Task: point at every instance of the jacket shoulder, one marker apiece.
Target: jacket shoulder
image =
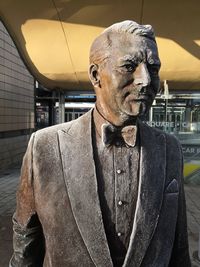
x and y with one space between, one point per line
48 136
172 141
52 130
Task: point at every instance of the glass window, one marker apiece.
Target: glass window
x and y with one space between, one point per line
180 115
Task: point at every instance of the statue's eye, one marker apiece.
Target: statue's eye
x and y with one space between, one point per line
130 67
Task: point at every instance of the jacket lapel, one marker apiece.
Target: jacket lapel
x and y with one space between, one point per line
150 193
80 178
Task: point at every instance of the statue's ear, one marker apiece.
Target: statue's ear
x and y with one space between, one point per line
94 75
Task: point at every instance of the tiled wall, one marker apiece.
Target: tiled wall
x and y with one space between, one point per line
12 151
16 102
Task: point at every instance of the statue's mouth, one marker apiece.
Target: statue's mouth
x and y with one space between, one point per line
137 98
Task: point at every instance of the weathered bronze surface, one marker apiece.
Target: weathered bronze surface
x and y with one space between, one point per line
58 221
124 71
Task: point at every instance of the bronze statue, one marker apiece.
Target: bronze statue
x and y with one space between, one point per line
106 189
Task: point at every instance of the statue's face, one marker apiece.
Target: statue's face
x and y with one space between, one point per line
129 78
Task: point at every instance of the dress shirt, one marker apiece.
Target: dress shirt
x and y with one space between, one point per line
117 178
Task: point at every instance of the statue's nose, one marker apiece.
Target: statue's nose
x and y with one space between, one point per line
141 75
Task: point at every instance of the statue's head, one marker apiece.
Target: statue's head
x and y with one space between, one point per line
124 66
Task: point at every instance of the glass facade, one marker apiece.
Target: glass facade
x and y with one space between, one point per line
180 115
42 115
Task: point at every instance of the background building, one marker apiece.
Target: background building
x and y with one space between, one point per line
16 102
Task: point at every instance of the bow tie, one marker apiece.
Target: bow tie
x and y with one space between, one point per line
113 135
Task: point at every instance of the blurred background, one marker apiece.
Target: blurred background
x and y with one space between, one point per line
44 48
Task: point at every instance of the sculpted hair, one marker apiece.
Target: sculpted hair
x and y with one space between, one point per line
99 50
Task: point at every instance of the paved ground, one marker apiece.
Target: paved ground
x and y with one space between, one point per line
8 185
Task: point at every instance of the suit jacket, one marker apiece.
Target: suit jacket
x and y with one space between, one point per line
58 220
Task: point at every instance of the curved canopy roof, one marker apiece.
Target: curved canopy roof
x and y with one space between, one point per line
54 36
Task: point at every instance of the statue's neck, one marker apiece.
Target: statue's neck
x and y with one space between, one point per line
116 119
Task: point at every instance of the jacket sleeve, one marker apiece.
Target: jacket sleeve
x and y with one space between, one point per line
180 253
28 240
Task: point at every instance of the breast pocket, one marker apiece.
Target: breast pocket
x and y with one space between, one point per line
172 187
